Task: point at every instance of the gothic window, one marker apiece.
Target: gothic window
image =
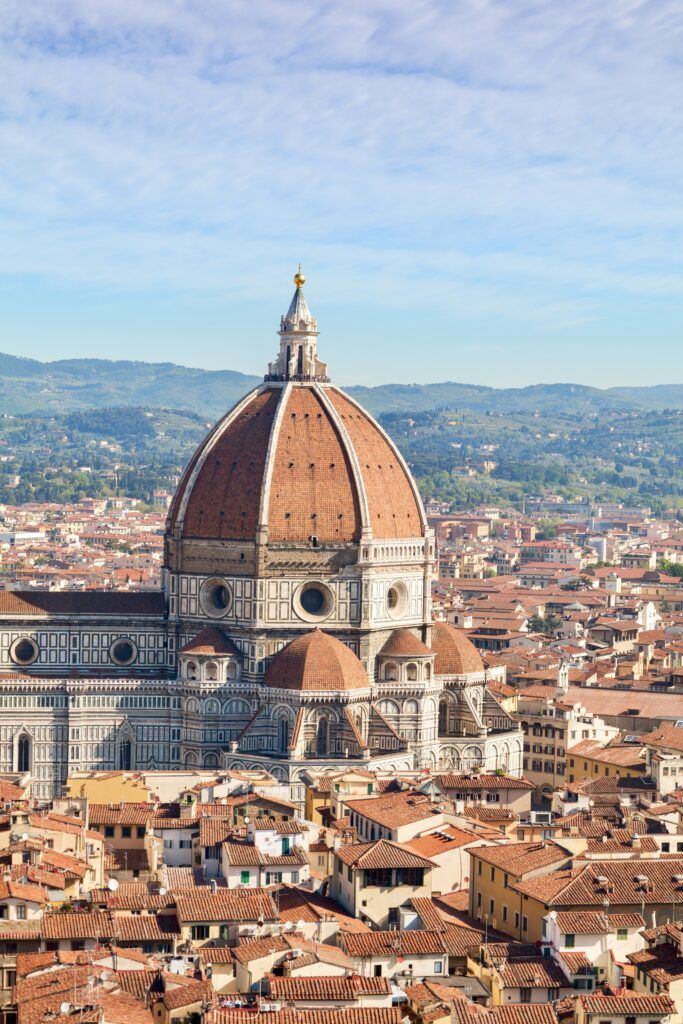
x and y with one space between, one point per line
125 756
283 734
322 738
24 753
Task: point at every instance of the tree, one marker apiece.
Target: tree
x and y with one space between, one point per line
548 624
546 529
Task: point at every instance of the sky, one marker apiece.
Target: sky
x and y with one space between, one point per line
487 191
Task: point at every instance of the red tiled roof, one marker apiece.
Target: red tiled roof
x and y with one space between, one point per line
630 1003
316 661
20 891
520 858
392 810
146 927
93 925
294 1015
413 942
327 988
310 483
231 905
210 640
455 654
381 854
404 644
467 783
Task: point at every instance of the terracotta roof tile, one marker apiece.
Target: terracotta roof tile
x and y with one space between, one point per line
146 927
413 942
294 1015
404 644
231 905
455 654
381 854
211 640
631 1003
316 661
327 988
392 810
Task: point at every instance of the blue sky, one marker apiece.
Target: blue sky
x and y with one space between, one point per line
478 190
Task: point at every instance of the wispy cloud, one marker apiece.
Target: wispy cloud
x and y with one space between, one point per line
453 162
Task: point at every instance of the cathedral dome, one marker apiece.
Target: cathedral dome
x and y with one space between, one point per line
296 462
291 463
455 654
404 644
316 661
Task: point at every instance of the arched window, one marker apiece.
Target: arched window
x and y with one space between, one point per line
192 670
24 753
283 734
125 756
443 718
391 671
232 670
211 671
411 672
322 739
300 360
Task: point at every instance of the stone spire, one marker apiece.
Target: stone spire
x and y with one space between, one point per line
298 358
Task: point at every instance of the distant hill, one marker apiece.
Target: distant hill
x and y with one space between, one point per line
27 385
69 385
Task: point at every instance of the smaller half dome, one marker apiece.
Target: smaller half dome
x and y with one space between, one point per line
404 644
210 641
455 654
316 661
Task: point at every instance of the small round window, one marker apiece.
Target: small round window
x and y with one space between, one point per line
123 651
24 651
313 601
216 598
397 599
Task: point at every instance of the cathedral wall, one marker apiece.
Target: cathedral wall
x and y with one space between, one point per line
39 645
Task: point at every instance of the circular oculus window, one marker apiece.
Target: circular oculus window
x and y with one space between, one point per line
313 601
216 598
397 599
24 651
123 651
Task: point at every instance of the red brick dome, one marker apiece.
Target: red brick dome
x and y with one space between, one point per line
316 661
404 644
455 654
294 461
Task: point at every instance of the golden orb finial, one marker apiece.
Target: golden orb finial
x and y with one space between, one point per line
299 278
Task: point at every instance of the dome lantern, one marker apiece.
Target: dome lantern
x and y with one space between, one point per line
298 357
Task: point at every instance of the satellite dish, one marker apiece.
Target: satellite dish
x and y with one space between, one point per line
112 884
301 925
290 926
162 892
104 976
64 1008
25 836
247 819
